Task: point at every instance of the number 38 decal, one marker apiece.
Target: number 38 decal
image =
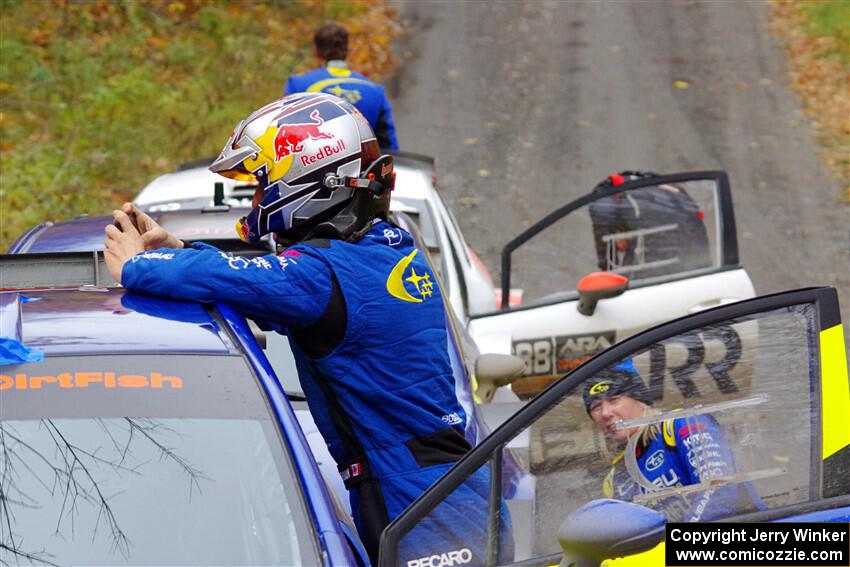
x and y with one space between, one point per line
717 349
559 355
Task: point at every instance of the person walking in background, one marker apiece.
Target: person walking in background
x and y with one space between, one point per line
334 77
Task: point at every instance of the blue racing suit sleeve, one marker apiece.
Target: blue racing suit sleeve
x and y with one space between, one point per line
385 127
705 455
291 289
291 86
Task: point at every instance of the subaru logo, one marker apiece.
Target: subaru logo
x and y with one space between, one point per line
655 460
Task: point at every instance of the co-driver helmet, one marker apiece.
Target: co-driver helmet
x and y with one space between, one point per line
318 168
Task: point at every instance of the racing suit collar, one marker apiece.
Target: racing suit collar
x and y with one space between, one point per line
385 233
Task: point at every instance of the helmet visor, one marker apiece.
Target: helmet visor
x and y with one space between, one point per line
238 173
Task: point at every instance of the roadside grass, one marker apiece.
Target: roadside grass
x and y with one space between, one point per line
816 35
830 19
99 97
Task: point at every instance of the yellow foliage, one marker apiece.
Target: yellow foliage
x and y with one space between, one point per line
100 96
821 79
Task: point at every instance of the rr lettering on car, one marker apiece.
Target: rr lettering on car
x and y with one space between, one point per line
682 374
695 345
557 447
720 370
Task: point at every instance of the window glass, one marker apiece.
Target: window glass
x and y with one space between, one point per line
145 460
648 233
423 218
446 212
707 424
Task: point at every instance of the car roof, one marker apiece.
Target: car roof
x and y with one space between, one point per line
84 233
413 174
196 182
90 320
194 220
216 226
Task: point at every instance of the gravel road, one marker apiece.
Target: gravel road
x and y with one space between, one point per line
527 105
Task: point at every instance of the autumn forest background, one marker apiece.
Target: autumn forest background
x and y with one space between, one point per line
99 97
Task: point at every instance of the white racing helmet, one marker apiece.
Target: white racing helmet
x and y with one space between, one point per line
317 164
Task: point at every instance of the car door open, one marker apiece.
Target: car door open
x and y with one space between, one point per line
672 237
744 417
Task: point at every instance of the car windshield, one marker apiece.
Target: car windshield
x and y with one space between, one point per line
145 460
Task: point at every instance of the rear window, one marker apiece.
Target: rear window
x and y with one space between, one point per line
145 460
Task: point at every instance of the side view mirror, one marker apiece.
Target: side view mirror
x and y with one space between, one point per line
599 285
605 529
495 370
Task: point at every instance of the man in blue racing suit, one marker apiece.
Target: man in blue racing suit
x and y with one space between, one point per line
359 303
668 454
334 77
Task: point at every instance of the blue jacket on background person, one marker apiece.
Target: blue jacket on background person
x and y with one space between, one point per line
686 451
668 454
367 96
334 77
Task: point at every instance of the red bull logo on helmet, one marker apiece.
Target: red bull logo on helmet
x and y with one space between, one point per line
289 137
323 152
245 234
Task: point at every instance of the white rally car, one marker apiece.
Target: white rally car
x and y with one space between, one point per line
614 262
466 281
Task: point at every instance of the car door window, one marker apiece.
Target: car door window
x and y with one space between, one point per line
650 230
722 414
